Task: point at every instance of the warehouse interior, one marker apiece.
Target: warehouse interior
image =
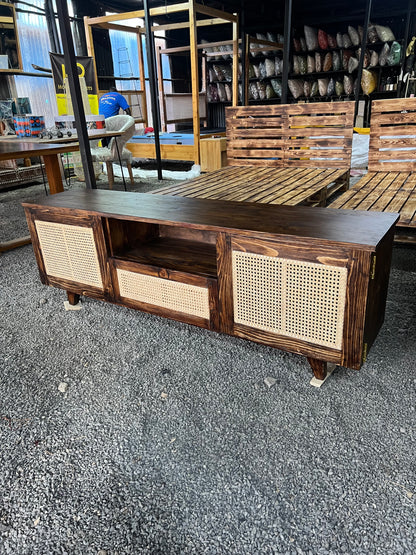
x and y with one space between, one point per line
208 300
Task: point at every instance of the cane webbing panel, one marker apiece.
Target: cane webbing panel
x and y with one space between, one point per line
173 295
69 252
302 300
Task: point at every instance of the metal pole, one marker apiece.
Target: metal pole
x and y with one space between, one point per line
286 49
405 43
243 55
151 59
361 62
75 89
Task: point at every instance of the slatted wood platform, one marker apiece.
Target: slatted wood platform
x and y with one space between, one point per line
284 154
390 184
291 186
316 135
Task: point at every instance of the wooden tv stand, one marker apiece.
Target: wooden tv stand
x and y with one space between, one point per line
311 281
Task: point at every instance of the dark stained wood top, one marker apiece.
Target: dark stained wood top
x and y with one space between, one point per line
12 149
365 229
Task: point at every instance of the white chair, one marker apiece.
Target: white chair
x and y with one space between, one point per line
115 151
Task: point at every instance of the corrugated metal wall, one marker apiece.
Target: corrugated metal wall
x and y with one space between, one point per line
35 46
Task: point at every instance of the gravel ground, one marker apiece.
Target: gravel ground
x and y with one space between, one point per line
124 433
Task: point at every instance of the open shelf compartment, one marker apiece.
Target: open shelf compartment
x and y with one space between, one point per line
164 246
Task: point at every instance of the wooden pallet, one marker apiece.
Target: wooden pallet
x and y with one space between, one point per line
385 192
291 135
390 184
290 186
283 154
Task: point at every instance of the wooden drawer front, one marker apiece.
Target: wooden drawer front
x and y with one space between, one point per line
297 299
165 293
69 252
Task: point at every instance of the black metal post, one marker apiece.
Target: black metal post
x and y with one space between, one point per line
52 29
286 49
75 89
361 62
243 55
151 64
405 43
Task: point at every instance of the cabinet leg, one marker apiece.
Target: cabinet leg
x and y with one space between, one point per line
73 298
73 302
321 370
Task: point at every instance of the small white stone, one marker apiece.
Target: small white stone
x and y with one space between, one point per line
269 381
62 387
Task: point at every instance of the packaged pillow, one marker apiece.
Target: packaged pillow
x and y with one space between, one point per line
262 70
270 92
346 55
385 34
261 87
296 87
295 67
323 86
373 58
221 92
372 36
331 87
314 88
346 41
327 65
393 58
384 54
307 89
219 72
253 91
277 86
311 37
336 60
322 40
227 72
228 92
303 46
251 72
340 42
352 64
348 84
213 93
339 88
256 68
318 62
278 66
332 41
270 67
354 36
302 65
311 64
368 81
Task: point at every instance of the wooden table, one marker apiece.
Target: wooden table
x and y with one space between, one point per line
50 150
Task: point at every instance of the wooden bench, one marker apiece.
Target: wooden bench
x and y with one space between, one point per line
284 154
390 184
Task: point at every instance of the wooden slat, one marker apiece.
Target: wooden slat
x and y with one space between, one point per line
384 192
291 186
392 155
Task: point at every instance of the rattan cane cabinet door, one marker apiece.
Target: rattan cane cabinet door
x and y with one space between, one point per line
69 252
284 294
